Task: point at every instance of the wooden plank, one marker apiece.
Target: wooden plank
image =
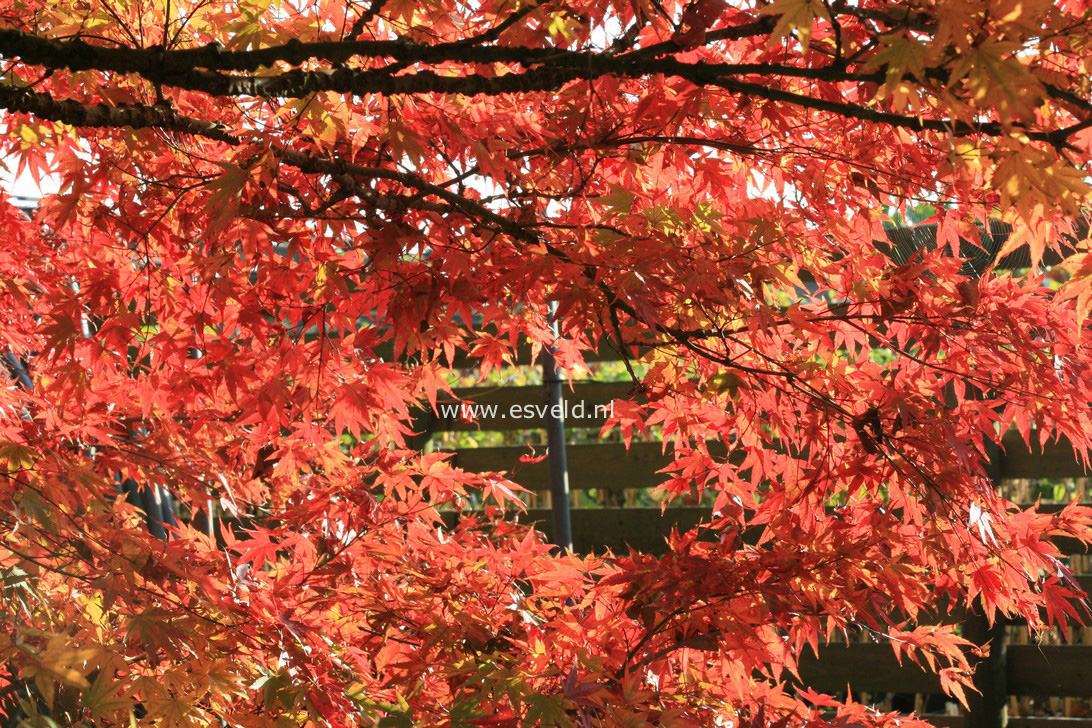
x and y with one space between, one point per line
871 667
1060 671
1068 546
617 529
1085 583
1033 721
1041 671
609 465
903 243
518 408
1042 721
1055 460
986 704
646 529
959 612
606 466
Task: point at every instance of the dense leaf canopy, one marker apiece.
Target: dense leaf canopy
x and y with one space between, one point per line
278 224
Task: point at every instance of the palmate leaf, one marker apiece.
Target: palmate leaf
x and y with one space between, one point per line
172 711
155 633
227 189
794 16
106 698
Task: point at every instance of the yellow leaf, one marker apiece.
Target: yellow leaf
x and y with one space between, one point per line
104 697
726 381
796 16
18 457
994 74
227 189
901 55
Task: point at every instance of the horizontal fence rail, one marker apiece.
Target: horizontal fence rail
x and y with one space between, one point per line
647 529
1033 670
612 466
1033 721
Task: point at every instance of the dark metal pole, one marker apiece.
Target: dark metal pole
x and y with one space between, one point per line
555 442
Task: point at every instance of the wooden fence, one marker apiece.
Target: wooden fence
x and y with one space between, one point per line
1014 673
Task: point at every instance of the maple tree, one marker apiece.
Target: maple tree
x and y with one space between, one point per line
260 201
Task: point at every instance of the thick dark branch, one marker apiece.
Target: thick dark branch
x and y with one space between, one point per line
297 84
550 75
163 65
78 55
853 111
163 117
550 70
160 65
348 175
102 116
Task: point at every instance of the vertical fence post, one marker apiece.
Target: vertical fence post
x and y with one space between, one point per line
989 707
555 442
